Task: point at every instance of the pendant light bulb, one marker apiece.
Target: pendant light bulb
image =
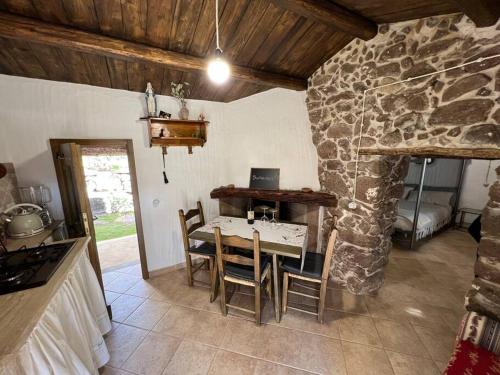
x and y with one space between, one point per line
218 69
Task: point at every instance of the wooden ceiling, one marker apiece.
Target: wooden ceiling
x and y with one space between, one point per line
269 42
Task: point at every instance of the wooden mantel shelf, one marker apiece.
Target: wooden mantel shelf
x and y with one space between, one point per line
293 196
446 152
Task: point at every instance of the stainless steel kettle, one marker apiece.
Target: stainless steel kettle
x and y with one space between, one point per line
23 220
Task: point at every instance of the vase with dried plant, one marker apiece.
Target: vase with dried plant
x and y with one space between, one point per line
181 91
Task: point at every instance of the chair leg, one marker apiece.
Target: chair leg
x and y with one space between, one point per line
257 303
223 297
189 269
322 297
285 292
213 279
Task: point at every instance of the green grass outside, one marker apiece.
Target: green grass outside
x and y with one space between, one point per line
112 225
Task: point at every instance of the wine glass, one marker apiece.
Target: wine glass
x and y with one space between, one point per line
264 217
273 211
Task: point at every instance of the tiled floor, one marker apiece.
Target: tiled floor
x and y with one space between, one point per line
164 327
118 252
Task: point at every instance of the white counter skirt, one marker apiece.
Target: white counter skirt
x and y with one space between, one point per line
68 339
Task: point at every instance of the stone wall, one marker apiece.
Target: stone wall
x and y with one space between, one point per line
459 108
484 297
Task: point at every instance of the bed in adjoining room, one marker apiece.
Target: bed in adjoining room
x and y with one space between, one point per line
432 192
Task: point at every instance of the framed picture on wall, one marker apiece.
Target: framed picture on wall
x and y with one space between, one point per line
265 178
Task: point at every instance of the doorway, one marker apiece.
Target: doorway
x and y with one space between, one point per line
101 174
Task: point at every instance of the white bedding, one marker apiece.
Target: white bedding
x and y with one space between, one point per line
431 218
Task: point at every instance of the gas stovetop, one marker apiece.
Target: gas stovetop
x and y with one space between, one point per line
29 268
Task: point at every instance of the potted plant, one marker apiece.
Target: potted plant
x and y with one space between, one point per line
180 91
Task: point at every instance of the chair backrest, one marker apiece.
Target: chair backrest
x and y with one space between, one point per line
223 242
184 218
329 250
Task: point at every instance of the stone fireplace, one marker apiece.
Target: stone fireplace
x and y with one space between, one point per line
454 114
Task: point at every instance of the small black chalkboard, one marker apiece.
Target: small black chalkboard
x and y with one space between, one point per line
265 178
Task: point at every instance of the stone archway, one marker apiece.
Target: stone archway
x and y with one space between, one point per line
457 112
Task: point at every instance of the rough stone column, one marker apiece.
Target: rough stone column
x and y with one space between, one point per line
484 296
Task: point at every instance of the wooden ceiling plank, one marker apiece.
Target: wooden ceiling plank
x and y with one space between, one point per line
97 69
109 15
82 14
332 15
134 14
50 60
202 41
117 70
159 22
483 12
287 22
75 66
26 60
169 76
184 24
247 27
23 7
51 11
263 28
21 28
229 21
7 59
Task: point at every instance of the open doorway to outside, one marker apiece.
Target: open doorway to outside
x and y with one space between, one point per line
109 190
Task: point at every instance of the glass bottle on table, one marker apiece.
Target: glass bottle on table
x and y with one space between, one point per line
250 213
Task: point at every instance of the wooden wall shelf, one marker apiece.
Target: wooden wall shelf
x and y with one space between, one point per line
292 196
187 133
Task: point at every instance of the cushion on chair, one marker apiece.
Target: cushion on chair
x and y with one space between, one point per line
204 249
313 265
244 272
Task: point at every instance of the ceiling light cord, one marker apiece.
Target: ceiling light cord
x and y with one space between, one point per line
217 26
353 204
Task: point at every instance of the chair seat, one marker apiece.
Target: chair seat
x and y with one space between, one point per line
313 265
244 272
204 249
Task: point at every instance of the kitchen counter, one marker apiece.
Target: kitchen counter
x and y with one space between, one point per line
13 244
21 311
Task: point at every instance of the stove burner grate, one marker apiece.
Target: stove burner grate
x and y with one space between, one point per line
11 277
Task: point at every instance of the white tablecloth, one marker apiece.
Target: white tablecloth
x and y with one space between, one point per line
280 233
68 339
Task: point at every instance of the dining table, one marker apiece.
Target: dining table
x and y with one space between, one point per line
276 239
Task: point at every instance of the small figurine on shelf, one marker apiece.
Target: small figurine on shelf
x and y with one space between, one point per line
201 117
180 91
150 100
166 115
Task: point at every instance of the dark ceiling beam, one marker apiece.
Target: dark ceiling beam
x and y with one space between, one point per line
30 30
482 12
332 15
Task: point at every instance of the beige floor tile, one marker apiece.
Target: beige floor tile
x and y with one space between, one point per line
122 342
117 252
439 343
191 358
134 270
111 296
357 328
122 283
294 348
237 364
148 314
365 360
152 355
309 323
342 300
197 325
143 288
125 305
400 338
441 366
404 364
108 277
106 370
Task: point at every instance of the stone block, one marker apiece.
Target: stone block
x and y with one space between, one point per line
462 112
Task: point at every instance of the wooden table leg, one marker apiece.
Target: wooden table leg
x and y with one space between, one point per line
276 284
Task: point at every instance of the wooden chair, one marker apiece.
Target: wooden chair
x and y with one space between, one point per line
316 270
205 251
242 270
